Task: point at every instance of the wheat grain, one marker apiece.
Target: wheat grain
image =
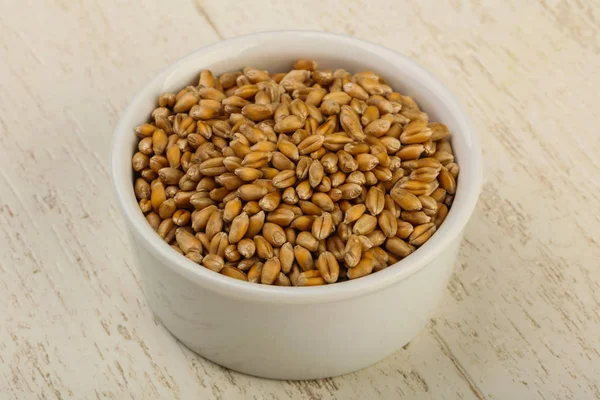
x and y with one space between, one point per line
300 178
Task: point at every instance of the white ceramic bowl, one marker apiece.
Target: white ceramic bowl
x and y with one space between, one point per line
298 333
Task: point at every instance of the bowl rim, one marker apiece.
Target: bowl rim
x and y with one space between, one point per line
452 227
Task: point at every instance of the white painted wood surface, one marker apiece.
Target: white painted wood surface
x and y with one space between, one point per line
521 317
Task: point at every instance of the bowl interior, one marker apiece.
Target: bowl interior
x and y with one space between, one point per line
276 52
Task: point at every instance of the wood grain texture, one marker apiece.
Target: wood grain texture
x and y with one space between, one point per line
521 317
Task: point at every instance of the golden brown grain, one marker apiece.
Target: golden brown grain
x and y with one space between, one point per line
218 244
187 241
375 200
301 178
233 272
264 249
281 216
214 224
213 262
421 234
328 267
352 251
388 223
405 199
398 247
246 247
364 225
415 217
239 227
304 258
286 257
255 272
308 241
363 267
270 271
274 234
323 226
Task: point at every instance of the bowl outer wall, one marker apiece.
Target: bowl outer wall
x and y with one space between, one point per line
298 333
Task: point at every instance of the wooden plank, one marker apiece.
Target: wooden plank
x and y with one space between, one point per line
521 316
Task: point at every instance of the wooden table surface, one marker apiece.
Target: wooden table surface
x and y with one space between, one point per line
520 319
